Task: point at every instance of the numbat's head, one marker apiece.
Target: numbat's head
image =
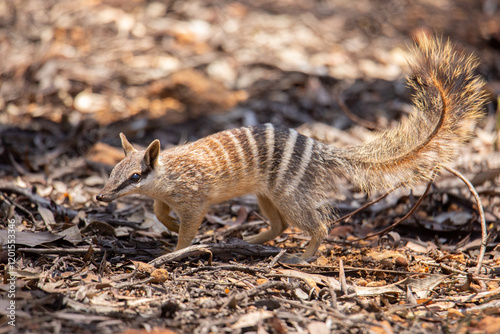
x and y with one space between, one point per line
133 174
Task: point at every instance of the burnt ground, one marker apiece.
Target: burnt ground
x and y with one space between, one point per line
76 73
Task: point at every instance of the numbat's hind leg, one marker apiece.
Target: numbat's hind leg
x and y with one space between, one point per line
278 224
313 246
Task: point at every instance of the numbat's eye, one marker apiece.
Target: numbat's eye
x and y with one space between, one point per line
135 177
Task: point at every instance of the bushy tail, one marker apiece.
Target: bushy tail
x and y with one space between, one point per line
448 102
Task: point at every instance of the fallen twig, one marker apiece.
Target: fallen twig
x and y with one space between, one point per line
235 246
405 216
59 250
482 220
342 280
277 258
361 208
355 118
242 268
38 200
274 285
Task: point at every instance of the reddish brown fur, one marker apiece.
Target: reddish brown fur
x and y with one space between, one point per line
292 175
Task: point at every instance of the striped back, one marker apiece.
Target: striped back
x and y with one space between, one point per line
278 163
279 159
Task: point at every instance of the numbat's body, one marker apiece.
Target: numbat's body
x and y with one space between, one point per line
293 175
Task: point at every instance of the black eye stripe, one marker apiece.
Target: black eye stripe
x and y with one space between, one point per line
123 185
128 182
144 173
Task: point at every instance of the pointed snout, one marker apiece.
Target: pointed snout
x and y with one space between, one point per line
105 198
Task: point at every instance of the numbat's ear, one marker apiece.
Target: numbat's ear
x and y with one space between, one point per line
151 154
127 147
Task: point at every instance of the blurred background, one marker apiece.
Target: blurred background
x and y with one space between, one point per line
75 73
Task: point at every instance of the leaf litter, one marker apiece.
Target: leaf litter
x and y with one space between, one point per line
76 73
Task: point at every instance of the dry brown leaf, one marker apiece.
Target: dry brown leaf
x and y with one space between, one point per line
261 281
485 175
383 328
318 327
454 313
27 273
252 319
72 235
160 275
416 247
47 216
384 254
489 324
312 279
143 267
30 239
100 227
323 261
422 287
376 284
54 287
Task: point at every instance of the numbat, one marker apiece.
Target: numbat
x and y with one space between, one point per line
293 175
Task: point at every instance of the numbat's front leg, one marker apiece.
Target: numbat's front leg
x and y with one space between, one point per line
190 223
162 212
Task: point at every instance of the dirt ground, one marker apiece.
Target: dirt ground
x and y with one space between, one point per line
76 73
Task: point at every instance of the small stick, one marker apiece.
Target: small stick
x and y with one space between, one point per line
236 246
342 280
20 207
242 268
276 259
59 250
484 232
9 187
405 216
234 299
355 118
378 199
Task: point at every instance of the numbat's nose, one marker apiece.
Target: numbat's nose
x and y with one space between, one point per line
103 198
106 197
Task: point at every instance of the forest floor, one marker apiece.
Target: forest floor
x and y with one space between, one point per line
76 73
